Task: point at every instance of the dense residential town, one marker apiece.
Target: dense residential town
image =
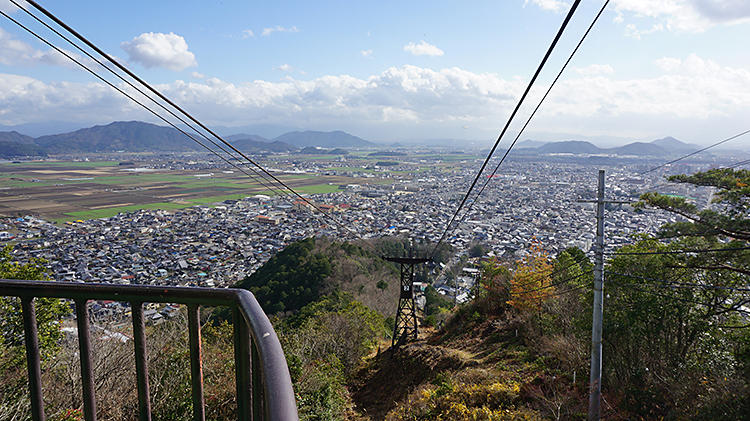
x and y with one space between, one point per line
221 243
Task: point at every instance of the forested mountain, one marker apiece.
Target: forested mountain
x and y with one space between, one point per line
137 136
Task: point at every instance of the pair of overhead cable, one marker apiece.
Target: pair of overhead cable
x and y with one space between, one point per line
531 116
671 284
449 226
640 253
550 285
129 83
697 152
264 177
737 308
554 272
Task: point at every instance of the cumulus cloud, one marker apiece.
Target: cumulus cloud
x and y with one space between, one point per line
154 49
248 33
284 68
423 49
682 15
666 15
8 7
268 31
553 5
366 53
595 69
14 52
687 95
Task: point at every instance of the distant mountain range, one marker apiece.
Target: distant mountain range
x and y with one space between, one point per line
136 136
657 148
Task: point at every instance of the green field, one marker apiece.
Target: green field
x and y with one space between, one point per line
209 200
82 164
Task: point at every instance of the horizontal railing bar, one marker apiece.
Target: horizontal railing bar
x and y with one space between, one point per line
95 291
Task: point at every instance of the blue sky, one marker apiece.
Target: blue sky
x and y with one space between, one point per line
400 70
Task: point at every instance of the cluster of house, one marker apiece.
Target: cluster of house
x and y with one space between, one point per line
221 244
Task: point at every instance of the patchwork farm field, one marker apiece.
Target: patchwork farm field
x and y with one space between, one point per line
65 191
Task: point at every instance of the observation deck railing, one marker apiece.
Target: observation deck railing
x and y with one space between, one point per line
264 388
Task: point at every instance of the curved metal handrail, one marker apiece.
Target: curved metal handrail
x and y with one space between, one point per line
279 402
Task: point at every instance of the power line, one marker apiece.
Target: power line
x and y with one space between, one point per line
670 297
554 284
697 152
672 284
738 164
259 176
640 253
165 120
552 85
510 119
129 83
556 271
177 107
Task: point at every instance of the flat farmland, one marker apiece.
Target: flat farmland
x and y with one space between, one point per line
64 191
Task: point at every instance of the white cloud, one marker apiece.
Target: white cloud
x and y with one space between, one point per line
198 75
595 70
423 49
553 5
689 94
8 7
268 31
366 53
248 33
14 52
284 68
681 15
154 49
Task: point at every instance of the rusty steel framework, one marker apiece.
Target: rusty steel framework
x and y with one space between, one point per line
406 324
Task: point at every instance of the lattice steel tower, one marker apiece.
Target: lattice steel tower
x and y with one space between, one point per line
406 314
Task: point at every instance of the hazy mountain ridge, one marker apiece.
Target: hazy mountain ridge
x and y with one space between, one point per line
657 148
137 136
335 139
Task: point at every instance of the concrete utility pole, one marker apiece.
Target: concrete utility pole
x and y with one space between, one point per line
595 382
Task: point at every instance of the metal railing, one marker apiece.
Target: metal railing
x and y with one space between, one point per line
264 388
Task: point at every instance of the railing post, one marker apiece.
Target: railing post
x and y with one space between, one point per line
196 364
242 367
141 362
87 374
257 379
31 339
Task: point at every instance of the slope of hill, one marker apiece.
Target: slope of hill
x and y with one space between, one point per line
13 144
658 148
336 139
242 136
307 270
671 144
16 149
570 146
131 136
15 137
250 144
639 149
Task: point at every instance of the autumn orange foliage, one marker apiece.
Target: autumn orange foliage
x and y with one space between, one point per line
530 283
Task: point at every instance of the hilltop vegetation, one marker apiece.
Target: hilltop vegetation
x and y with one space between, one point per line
676 338
310 269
